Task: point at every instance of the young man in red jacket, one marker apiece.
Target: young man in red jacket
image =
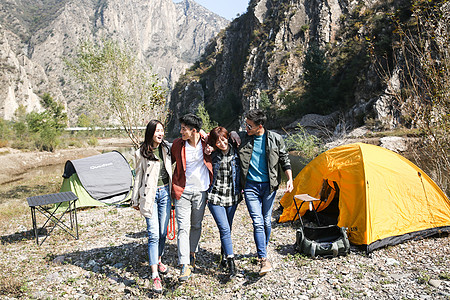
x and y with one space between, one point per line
191 179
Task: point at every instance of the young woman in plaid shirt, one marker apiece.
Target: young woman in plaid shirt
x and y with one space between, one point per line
224 194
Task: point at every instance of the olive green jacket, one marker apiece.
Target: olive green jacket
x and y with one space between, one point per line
276 155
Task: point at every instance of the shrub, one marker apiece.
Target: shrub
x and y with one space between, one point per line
93 141
308 145
5 129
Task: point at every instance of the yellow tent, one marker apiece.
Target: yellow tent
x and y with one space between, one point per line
384 199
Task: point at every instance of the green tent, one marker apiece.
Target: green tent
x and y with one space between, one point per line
99 180
73 184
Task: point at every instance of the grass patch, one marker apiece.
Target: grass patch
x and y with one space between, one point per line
423 278
11 285
13 196
444 276
4 152
11 210
299 259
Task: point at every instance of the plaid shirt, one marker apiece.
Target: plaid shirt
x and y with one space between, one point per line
221 193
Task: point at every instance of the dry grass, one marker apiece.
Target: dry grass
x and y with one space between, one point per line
3 143
11 284
13 196
12 209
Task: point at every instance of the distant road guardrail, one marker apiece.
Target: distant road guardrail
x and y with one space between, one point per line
100 128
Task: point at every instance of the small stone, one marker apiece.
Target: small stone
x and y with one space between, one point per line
391 262
129 282
54 278
398 277
59 260
146 283
435 283
118 265
121 287
82 296
333 281
113 279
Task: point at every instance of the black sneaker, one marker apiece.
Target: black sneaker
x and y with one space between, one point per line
231 267
223 259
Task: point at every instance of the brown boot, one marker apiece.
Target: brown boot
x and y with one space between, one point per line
265 266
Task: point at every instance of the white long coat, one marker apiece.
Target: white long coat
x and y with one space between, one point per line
146 181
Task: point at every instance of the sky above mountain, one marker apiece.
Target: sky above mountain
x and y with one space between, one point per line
227 9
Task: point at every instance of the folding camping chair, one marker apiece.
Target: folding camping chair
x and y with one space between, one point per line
41 204
329 240
306 198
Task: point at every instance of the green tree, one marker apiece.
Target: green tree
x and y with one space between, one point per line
208 124
317 97
118 85
20 123
48 125
5 129
83 121
265 102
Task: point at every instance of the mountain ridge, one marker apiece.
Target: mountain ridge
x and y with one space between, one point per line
170 36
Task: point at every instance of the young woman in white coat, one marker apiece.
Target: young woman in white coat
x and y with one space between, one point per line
151 194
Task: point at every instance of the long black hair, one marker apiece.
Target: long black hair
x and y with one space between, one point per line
146 146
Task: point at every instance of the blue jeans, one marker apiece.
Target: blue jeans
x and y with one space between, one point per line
157 224
223 215
259 202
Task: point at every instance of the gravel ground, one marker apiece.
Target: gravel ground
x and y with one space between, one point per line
109 261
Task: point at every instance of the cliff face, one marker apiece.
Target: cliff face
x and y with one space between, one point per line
20 78
262 54
169 36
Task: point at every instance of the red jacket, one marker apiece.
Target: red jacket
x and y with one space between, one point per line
179 174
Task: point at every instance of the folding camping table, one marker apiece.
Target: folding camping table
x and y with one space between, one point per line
48 206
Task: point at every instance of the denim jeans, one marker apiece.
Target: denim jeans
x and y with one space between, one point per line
157 224
223 215
190 209
259 202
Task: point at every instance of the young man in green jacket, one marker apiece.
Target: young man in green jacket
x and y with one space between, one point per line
262 154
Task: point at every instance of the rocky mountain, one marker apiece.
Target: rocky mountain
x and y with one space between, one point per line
294 58
36 36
